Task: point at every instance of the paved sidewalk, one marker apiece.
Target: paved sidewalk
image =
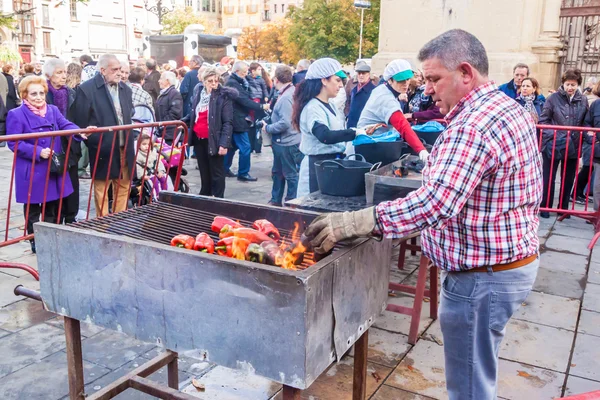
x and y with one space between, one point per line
552 345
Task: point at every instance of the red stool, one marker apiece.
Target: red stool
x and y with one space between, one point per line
419 291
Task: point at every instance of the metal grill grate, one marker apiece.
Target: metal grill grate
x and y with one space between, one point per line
159 222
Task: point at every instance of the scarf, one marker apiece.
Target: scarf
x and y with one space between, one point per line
203 102
61 98
529 106
40 112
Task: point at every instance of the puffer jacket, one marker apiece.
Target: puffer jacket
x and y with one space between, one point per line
559 110
592 120
258 87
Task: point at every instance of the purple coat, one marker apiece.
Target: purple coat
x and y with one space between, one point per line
22 120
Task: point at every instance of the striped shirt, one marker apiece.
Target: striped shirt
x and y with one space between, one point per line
482 187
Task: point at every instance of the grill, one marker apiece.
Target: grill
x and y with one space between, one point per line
159 222
120 273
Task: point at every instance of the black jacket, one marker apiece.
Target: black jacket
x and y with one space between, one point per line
151 85
75 150
559 110
12 99
220 117
93 106
169 107
592 119
242 104
299 77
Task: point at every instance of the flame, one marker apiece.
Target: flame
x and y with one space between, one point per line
289 257
238 249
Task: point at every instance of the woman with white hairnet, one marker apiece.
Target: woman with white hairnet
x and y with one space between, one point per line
322 129
383 107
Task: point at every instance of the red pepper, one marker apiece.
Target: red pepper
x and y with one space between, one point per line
232 247
219 222
226 231
204 243
266 227
183 241
252 235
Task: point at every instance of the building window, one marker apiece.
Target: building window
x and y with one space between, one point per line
47 43
214 5
275 8
267 15
205 5
198 5
282 8
73 9
45 15
188 3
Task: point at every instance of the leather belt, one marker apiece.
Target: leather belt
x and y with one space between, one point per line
505 267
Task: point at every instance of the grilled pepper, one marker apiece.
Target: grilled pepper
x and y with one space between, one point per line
204 243
266 227
252 235
219 222
272 252
232 247
183 241
256 253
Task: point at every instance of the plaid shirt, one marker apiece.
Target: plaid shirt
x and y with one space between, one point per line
140 96
482 187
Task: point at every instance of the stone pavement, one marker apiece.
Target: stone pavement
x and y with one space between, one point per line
551 349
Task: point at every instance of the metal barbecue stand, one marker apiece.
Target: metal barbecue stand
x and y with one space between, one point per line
119 272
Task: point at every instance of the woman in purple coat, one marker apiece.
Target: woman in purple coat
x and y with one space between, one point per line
36 116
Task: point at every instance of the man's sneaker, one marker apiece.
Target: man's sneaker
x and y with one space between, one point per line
247 178
580 200
272 203
545 214
230 174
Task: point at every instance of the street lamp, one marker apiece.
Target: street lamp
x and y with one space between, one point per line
362 4
159 9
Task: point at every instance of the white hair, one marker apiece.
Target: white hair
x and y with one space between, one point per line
303 65
105 59
125 64
170 77
51 65
239 65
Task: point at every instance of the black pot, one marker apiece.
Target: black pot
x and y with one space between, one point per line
428 137
343 177
385 152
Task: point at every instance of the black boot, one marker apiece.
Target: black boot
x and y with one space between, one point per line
32 242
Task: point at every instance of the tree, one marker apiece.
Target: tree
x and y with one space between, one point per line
251 44
175 22
331 28
277 45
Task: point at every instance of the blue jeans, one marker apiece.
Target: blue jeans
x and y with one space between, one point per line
285 169
239 141
474 310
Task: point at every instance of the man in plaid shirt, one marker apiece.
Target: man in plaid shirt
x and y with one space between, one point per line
477 211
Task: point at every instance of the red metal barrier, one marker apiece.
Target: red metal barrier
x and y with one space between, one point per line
562 148
172 157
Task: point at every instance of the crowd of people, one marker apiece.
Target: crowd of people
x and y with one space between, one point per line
305 115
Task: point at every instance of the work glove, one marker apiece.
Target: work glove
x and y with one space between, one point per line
423 155
328 229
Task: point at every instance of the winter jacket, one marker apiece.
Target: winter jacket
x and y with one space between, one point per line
22 120
220 117
592 120
12 98
242 104
169 107
151 84
148 163
281 128
509 89
190 80
258 87
75 150
559 110
299 77
358 99
93 106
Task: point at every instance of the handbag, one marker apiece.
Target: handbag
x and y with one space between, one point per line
57 163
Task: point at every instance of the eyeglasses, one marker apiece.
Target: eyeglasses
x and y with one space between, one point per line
211 81
36 94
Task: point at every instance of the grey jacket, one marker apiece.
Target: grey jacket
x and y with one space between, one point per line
281 127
